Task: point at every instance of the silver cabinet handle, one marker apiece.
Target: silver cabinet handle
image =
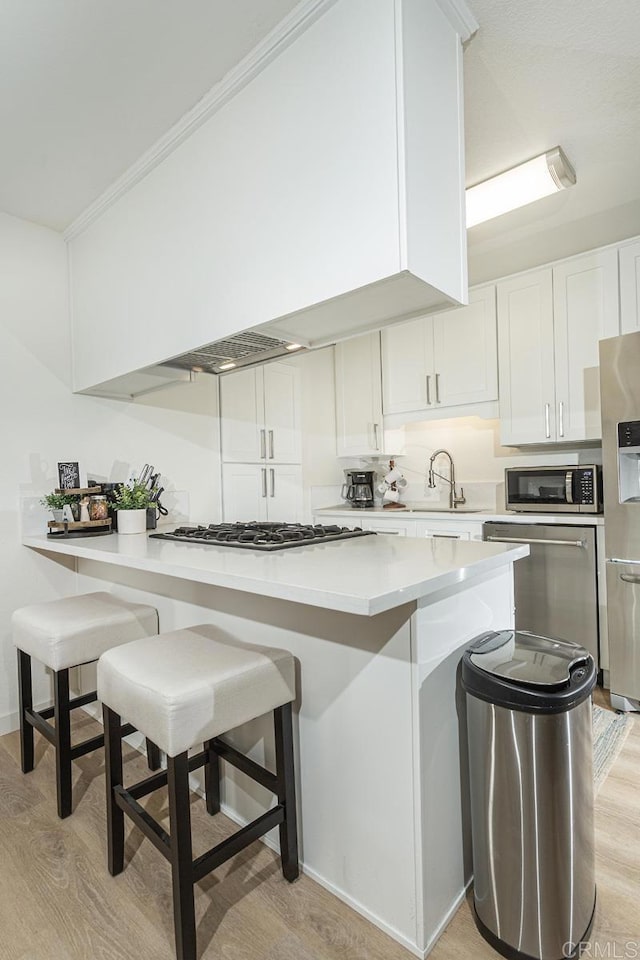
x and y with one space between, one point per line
437 388
428 390
445 536
561 418
264 481
273 482
546 543
376 442
271 453
630 578
263 444
547 422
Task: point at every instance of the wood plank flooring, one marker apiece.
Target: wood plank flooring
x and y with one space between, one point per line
57 901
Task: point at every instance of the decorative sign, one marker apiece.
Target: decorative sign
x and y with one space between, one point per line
68 476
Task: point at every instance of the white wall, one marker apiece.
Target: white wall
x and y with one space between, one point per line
42 422
479 458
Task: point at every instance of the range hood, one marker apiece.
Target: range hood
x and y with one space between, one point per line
240 350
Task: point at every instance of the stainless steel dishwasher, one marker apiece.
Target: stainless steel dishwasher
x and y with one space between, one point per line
556 590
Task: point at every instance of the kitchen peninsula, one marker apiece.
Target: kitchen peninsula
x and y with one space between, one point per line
377 625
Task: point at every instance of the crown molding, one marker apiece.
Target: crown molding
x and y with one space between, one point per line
461 17
294 24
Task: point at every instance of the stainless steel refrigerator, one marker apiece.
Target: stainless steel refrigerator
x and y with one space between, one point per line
620 401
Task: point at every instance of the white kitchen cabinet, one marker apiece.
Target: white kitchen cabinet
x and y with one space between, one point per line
359 397
629 259
443 361
260 414
442 530
253 491
392 528
550 322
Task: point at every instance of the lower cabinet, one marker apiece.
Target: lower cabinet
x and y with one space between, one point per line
433 530
251 491
408 526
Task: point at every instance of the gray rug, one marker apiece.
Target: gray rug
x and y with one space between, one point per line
610 730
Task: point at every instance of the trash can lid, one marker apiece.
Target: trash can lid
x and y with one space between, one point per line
524 671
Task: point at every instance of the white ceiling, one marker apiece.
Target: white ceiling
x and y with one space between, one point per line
545 72
87 86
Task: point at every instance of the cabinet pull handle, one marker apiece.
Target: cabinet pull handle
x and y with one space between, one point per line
273 482
437 388
376 442
263 444
629 578
445 536
428 390
547 421
561 418
264 481
271 453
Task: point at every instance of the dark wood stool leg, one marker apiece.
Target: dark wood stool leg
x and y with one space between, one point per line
212 779
62 716
282 717
26 703
153 755
113 779
184 918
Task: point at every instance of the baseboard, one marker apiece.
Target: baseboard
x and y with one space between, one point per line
10 722
446 920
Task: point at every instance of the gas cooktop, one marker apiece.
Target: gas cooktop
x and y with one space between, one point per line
262 536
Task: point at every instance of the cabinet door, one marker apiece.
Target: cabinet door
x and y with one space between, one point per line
359 396
466 351
630 287
407 366
585 310
282 412
244 492
242 427
525 351
284 493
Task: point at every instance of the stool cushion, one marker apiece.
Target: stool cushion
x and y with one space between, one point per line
185 687
64 633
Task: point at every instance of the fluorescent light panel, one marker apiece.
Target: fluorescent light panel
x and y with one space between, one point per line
529 181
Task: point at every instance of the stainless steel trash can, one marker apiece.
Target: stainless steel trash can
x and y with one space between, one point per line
531 780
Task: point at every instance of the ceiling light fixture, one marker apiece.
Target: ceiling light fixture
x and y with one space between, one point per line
529 181
226 366
294 346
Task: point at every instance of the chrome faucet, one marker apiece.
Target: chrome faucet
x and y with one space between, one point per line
454 499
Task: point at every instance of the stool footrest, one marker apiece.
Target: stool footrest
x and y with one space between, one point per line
47 713
238 841
144 787
37 720
243 763
143 820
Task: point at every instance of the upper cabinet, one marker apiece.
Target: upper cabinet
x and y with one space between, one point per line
629 255
549 324
289 169
444 361
260 414
359 425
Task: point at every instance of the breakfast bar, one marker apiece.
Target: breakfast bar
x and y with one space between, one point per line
377 626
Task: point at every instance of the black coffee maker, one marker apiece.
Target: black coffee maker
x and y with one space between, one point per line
358 490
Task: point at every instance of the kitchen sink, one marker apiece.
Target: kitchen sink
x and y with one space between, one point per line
428 509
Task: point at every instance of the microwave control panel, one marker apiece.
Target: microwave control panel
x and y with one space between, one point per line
585 486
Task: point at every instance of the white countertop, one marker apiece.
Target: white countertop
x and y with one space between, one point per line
469 516
365 576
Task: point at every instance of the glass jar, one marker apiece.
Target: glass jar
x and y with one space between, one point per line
98 508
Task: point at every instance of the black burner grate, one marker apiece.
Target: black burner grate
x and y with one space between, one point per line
262 536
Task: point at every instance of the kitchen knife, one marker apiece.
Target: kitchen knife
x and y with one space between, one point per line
144 473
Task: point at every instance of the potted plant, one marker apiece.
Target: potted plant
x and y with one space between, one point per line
131 502
57 501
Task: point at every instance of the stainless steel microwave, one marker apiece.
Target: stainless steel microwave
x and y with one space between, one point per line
571 489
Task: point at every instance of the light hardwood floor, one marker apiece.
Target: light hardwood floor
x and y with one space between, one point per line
57 901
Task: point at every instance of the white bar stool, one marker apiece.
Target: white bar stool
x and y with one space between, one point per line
182 689
62 634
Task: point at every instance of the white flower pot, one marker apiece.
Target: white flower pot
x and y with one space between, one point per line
57 515
132 521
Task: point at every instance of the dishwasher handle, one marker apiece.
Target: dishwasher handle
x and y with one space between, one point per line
528 540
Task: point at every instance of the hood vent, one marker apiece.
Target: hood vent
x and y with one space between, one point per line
240 350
